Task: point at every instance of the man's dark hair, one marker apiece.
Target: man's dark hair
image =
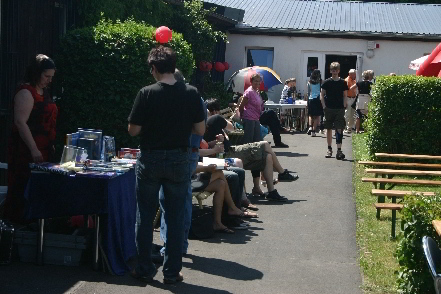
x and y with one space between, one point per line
36 67
212 104
163 58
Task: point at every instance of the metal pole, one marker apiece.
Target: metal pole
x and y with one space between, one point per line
96 245
40 241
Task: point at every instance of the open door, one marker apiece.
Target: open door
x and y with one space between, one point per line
311 61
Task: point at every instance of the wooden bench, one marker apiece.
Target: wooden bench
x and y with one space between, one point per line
401 164
407 172
201 196
389 172
398 193
408 156
226 113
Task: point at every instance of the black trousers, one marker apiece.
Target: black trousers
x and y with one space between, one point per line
269 118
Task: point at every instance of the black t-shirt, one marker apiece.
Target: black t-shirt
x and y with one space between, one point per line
166 114
215 126
334 92
364 87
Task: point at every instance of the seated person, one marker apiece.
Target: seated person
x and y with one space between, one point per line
256 156
213 180
235 174
268 118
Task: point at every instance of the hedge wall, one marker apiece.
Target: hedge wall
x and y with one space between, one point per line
417 214
101 69
405 115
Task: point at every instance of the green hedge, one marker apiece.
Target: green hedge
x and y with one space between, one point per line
101 69
417 214
405 115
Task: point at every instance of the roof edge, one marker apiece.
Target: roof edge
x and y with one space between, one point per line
333 34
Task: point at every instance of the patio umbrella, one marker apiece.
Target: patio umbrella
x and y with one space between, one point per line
431 67
240 80
415 64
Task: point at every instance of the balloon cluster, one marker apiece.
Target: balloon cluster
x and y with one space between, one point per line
163 35
218 66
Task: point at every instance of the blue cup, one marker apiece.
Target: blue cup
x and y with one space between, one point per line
289 100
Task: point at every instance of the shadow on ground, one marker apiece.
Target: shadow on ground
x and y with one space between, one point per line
290 154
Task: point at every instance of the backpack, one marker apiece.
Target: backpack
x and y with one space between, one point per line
201 224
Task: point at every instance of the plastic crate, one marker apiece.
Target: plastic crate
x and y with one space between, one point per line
58 249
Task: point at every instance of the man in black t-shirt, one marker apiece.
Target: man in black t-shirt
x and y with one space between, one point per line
164 115
334 101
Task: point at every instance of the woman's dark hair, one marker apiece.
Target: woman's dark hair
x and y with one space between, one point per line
36 67
213 104
315 77
163 58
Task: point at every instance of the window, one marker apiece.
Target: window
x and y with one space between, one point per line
312 64
260 57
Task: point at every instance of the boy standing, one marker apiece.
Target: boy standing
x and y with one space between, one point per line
334 105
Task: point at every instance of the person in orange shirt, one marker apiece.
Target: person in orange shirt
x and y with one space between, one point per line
349 113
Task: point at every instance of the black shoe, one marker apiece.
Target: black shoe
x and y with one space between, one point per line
309 131
178 278
340 155
145 279
287 177
281 145
274 195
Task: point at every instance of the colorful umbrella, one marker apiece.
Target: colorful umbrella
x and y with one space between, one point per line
415 64
431 67
240 80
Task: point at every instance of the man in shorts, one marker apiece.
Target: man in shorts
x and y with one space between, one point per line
334 101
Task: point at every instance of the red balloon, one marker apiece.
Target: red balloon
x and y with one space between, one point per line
219 66
205 66
226 65
163 34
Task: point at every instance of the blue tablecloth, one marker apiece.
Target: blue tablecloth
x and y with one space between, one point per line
51 195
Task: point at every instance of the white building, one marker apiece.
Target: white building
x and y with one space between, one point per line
294 37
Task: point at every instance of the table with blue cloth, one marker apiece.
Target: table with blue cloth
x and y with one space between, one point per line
51 195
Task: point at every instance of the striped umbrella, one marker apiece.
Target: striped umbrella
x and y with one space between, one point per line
240 80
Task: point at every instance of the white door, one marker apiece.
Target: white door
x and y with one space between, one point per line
311 61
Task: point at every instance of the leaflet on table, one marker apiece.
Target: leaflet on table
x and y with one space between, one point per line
219 162
50 168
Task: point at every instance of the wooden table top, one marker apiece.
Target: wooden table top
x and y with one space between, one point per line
437 225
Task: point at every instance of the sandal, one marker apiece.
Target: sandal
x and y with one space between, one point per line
257 193
250 206
224 231
248 214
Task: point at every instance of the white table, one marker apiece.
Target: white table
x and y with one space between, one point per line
302 115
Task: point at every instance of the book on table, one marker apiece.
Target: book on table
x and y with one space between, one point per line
219 162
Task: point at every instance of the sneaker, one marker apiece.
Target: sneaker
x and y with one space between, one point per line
329 153
313 134
274 196
309 131
339 155
322 131
347 131
287 177
280 145
178 278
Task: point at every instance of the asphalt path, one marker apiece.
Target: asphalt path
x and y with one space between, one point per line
306 245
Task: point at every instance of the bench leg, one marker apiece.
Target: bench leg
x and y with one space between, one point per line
381 199
394 219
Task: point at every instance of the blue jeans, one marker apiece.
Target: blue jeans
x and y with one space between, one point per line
169 169
194 158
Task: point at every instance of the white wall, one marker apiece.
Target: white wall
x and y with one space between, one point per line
392 56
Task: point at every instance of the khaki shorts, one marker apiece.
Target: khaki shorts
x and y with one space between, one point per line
253 155
334 118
